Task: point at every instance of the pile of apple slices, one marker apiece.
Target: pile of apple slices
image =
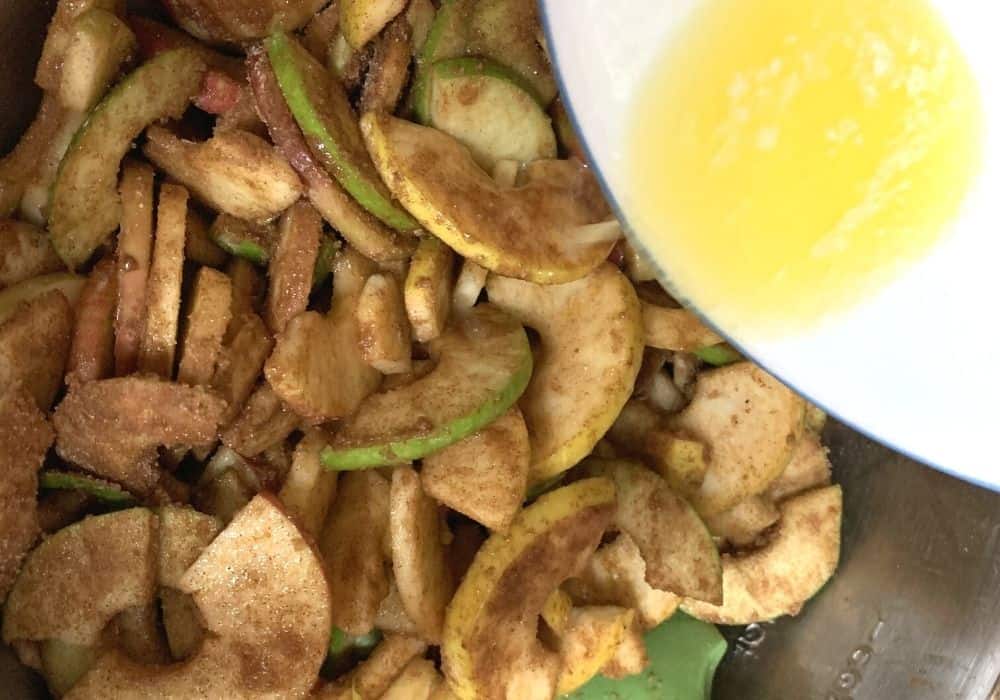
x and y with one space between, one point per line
324 376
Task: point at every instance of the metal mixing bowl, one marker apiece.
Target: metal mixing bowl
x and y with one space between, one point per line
912 614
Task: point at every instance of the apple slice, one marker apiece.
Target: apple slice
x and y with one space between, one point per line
490 648
590 355
324 113
223 21
532 231
91 352
630 658
675 329
68 284
25 438
103 491
352 544
34 346
389 68
744 523
290 270
322 386
779 578
616 575
308 489
113 427
589 642
25 252
261 590
417 681
355 223
208 315
486 355
79 578
427 292
484 476
750 423
678 549
809 467
86 207
418 558
373 676
361 20
100 43
490 109
235 172
383 328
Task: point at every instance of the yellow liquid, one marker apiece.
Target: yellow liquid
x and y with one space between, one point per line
789 156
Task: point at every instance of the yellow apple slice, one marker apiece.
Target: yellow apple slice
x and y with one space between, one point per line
589 642
779 578
590 355
531 232
490 647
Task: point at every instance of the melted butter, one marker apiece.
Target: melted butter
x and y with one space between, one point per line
788 157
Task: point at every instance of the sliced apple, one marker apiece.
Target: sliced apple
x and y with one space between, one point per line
589 642
616 575
308 489
243 355
417 681
484 476
68 284
532 231
490 646
104 491
264 423
183 535
363 19
486 354
808 468
490 109
418 557
556 611
779 578
590 355
356 224
428 288
113 427
86 207
221 21
133 253
235 172
385 335
675 329
208 316
244 239
59 36
630 657
352 544
25 438
290 270
389 68
678 549
137 632
79 578
508 31
25 252
468 286
100 43
34 346
322 386
261 590
745 522
373 676
391 615
327 120
91 352
181 623
750 423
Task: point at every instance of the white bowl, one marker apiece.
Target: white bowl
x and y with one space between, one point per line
915 366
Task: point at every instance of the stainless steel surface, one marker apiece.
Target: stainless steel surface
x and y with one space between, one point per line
913 613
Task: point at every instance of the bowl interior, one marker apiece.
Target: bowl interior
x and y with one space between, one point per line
878 366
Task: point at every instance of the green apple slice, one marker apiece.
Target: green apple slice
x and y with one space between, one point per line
100 489
322 110
86 207
244 239
490 109
484 366
446 38
539 231
779 578
591 351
